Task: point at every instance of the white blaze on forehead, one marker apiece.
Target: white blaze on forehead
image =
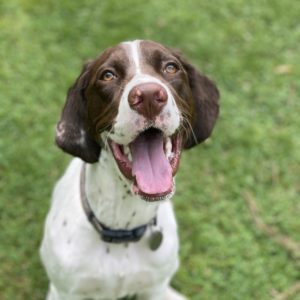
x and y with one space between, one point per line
134 54
128 122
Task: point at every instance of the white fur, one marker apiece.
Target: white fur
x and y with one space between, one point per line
78 263
129 123
134 54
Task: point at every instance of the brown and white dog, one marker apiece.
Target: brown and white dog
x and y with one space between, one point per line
111 231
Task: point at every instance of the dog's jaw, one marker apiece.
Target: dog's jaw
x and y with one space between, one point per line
150 169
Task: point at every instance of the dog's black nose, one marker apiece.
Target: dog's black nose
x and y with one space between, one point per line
148 99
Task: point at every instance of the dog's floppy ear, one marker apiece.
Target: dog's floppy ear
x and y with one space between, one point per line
206 107
72 132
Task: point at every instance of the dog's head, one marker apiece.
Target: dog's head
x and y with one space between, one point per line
147 103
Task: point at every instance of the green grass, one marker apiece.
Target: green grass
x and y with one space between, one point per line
254 148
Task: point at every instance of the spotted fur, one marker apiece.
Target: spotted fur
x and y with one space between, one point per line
78 263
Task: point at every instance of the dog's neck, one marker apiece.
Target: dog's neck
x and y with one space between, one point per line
111 199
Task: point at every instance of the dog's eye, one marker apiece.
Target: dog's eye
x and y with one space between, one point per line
171 68
107 76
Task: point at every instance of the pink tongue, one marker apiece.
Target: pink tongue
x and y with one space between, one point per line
150 166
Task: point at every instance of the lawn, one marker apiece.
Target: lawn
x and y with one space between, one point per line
251 49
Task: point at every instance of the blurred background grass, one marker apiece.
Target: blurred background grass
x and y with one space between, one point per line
250 48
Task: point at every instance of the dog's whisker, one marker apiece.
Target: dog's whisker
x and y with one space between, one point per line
106 138
189 129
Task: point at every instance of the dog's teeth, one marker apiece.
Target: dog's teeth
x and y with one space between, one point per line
168 147
126 150
129 156
127 153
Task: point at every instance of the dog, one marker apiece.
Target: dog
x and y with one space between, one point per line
111 231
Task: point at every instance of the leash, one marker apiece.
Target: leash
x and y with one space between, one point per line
117 236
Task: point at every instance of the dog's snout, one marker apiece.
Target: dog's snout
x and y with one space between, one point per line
148 99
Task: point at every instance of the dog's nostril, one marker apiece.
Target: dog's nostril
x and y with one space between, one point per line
135 97
161 96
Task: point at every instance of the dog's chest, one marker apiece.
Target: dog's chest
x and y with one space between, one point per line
78 262
121 270
92 267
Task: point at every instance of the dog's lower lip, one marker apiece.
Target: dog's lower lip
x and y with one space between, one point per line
152 197
125 166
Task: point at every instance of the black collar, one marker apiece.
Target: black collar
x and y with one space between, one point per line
109 235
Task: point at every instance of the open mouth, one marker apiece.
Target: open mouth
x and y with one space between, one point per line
150 161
